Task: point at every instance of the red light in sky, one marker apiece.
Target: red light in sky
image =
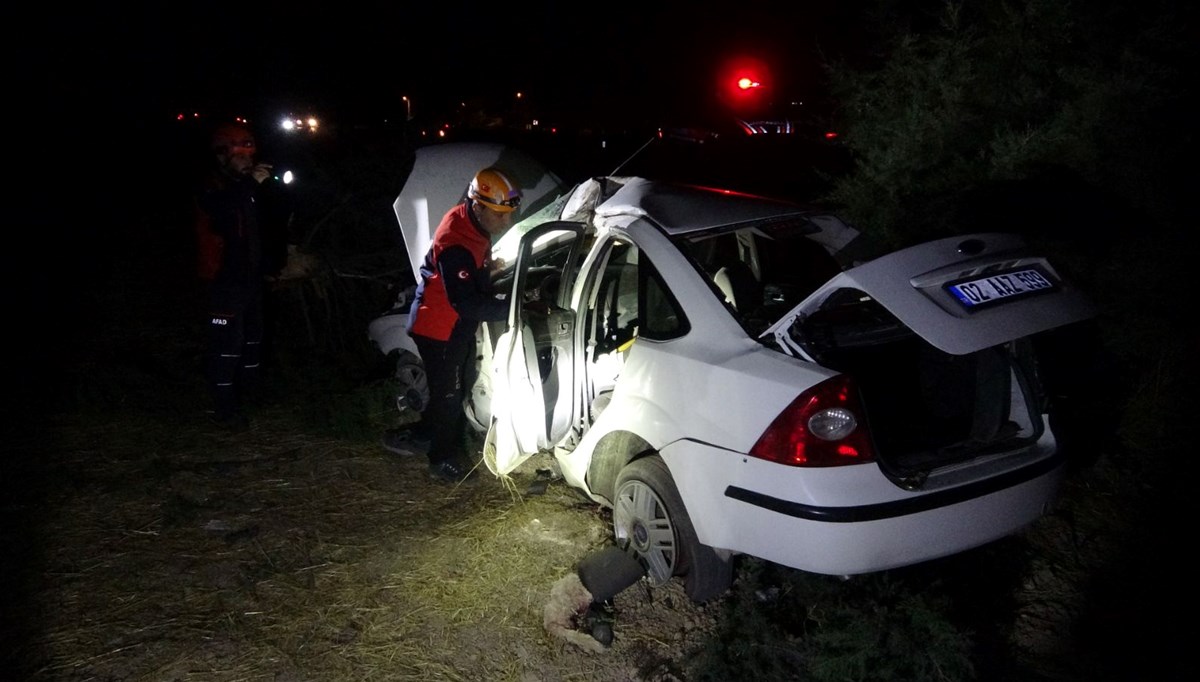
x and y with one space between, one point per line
745 82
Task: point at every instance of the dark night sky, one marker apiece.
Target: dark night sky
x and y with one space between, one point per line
98 82
358 57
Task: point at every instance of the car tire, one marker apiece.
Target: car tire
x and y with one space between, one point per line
650 521
412 391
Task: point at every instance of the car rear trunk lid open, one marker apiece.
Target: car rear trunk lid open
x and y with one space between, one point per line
940 339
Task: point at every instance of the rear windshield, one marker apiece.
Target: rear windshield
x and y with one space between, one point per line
761 271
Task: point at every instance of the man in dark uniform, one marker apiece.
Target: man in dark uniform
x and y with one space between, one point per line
234 260
454 295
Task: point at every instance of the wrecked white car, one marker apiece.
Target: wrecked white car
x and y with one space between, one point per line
700 362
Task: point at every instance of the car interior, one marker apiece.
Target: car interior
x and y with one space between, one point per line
763 271
611 323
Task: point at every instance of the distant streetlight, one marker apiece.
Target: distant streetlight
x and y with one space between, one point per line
407 107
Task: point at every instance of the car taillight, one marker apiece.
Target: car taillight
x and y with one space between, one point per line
823 427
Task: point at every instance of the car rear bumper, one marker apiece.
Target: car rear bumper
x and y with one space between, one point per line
785 526
896 508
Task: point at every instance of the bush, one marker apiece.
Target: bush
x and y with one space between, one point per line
1003 91
779 624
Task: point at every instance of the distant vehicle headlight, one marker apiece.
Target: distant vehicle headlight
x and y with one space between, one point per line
296 124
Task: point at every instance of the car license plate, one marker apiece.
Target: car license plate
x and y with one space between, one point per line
1006 286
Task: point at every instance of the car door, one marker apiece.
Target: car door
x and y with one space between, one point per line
533 381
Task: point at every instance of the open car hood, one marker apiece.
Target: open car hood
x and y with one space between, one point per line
960 294
439 178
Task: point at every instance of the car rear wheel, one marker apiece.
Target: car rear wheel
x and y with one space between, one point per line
649 520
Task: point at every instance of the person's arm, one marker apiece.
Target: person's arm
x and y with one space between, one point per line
218 204
469 288
210 246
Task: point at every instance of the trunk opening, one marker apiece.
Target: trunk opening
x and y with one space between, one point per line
925 408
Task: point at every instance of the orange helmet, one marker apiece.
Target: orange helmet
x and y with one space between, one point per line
494 190
231 138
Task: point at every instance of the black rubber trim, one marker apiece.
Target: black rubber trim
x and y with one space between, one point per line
887 510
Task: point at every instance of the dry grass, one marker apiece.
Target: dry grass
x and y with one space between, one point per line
183 553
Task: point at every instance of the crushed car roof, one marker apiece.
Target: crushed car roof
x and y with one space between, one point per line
683 209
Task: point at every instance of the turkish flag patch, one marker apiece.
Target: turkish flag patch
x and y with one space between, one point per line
464 274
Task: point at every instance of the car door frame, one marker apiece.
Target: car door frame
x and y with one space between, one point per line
523 422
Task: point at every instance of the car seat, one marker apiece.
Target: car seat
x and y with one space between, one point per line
742 290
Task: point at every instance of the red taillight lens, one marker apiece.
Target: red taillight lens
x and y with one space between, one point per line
823 427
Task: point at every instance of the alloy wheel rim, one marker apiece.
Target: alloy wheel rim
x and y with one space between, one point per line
643 526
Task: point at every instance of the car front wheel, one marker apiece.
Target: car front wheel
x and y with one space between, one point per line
412 392
649 520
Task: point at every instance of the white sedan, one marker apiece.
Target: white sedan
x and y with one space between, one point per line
699 361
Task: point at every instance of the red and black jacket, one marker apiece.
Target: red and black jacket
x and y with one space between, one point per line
455 292
229 240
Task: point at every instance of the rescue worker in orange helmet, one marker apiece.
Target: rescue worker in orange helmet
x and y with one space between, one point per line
235 258
453 297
